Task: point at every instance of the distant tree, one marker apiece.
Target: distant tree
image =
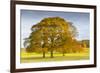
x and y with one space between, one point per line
85 43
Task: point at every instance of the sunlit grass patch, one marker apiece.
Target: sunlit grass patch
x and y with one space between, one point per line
37 57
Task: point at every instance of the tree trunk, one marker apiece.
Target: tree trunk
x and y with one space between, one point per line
43 54
43 50
51 53
63 54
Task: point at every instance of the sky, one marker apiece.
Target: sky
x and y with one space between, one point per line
31 17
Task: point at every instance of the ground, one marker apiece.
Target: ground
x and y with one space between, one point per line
37 57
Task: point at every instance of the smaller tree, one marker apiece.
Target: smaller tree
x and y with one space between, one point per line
76 46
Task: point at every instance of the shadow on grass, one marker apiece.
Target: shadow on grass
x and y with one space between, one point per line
55 58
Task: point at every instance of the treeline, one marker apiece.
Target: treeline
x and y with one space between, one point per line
85 43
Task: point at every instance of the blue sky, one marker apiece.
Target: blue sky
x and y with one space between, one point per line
79 19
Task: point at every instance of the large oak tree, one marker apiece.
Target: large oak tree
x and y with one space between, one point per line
51 34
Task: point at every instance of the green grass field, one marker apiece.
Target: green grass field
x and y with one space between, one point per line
37 57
